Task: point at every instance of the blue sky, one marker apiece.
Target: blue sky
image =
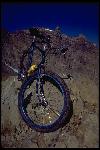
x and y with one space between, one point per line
73 18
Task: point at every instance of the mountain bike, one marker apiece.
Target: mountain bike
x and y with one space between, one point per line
43 99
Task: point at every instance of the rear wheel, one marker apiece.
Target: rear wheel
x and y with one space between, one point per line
49 110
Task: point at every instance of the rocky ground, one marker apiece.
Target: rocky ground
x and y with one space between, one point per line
83 129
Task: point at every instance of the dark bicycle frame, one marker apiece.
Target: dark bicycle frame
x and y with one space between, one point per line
40 66
31 53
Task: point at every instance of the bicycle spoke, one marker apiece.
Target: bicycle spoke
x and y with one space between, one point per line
44 114
48 94
56 112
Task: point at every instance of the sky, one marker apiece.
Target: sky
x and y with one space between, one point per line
72 18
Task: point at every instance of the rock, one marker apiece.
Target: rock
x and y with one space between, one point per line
81 61
60 145
92 122
91 139
72 142
51 138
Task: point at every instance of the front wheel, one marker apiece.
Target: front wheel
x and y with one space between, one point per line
53 110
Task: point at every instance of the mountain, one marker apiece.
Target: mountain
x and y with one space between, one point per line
80 54
75 56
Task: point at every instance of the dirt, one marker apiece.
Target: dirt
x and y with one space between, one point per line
83 128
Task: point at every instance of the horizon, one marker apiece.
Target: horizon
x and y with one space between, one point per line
72 18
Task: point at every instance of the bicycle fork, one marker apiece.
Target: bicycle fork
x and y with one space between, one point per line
40 90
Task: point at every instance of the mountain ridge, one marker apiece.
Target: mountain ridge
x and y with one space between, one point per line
78 50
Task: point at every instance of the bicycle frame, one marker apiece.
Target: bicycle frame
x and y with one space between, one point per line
38 69
30 53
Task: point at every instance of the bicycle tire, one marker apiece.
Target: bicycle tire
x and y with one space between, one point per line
66 108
